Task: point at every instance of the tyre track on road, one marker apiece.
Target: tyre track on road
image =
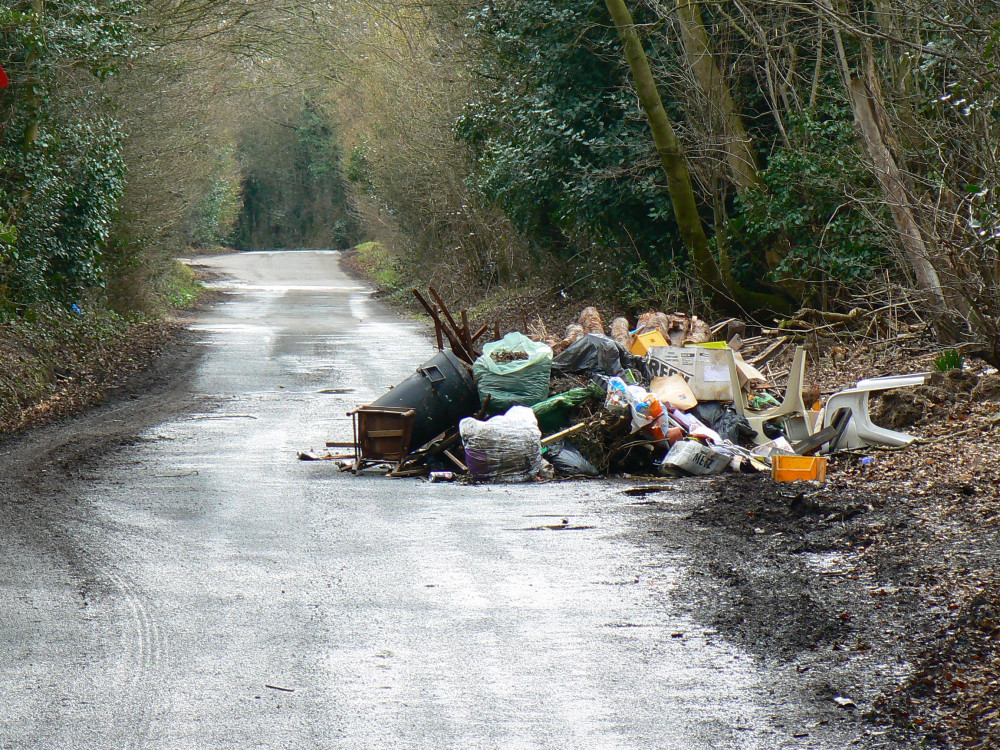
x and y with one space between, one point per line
146 648
45 476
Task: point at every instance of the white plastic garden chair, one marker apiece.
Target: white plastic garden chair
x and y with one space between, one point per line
861 431
799 420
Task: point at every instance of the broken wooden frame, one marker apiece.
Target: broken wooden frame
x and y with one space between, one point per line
382 435
460 337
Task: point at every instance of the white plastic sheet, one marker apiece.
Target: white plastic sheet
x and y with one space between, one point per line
505 448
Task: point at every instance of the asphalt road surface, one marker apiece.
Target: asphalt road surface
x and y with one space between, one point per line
198 587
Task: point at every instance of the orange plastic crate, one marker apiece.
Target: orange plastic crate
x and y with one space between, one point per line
792 468
642 343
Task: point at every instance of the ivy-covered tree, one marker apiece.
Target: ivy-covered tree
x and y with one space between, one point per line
62 166
558 142
563 147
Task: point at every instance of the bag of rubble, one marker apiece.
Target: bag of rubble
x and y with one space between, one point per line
514 371
505 448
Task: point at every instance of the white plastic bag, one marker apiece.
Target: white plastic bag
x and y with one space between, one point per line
645 406
691 457
505 448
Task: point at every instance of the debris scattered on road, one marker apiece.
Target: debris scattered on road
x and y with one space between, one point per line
659 397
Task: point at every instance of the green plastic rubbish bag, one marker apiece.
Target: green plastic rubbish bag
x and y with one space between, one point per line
521 382
554 413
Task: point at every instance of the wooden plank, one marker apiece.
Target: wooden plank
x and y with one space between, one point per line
563 433
831 435
466 337
769 353
484 406
459 464
395 411
401 473
478 334
375 434
447 314
714 330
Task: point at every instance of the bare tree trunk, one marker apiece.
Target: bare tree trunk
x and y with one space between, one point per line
679 185
869 113
668 146
740 156
890 178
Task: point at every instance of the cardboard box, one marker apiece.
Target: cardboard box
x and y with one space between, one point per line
674 390
705 369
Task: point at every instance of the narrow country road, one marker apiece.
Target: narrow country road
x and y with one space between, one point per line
194 586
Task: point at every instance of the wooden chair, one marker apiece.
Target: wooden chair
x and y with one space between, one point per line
382 435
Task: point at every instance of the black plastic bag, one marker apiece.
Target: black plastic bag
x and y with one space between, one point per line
566 459
595 354
724 419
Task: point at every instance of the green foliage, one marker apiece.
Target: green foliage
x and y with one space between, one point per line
97 36
356 167
555 130
8 237
810 204
219 209
70 181
294 189
380 266
61 162
180 287
950 359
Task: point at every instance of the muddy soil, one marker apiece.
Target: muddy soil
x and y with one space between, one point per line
40 460
883 616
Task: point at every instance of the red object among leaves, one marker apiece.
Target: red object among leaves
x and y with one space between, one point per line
4 80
